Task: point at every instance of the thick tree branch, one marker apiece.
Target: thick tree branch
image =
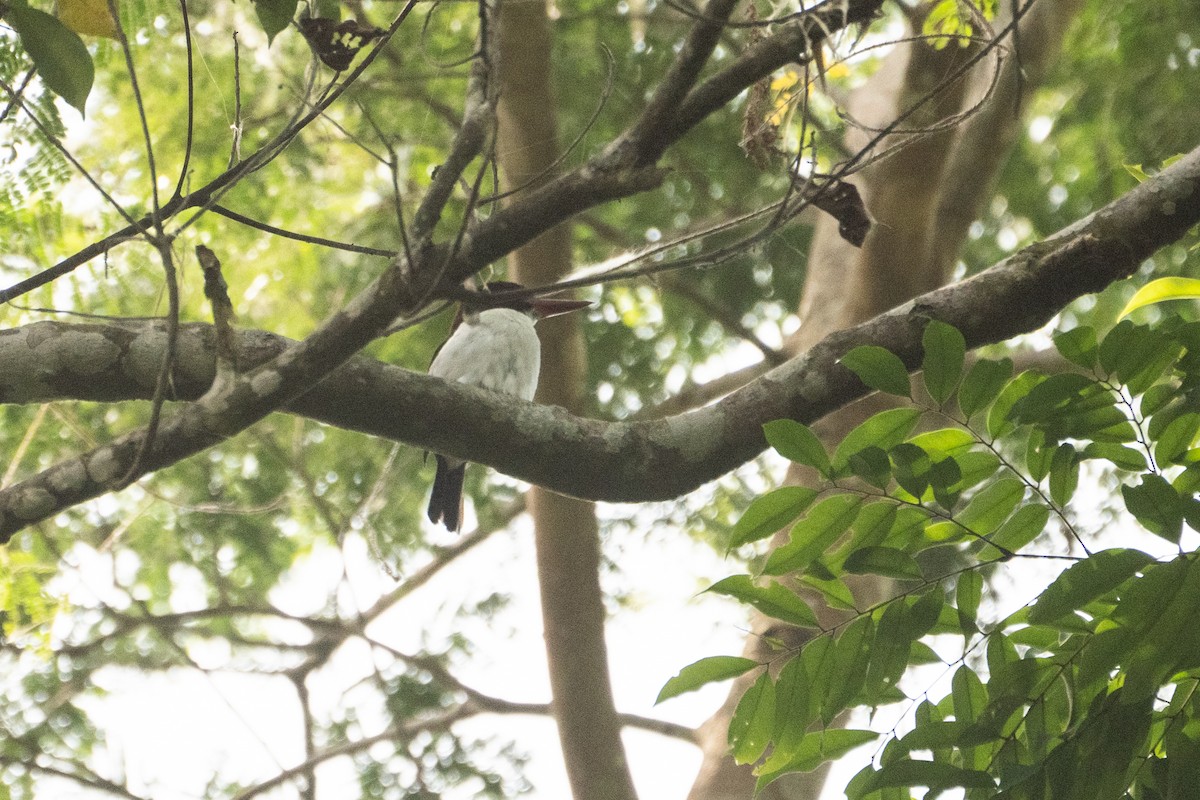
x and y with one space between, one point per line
401 289
619 461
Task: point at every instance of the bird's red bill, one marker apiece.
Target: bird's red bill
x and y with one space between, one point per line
552 307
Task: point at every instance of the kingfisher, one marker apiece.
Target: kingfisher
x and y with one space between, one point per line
492 345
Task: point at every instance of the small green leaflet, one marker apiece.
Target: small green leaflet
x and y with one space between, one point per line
935 775
775 600
983 383
945 350
705 671
1156 505
274 15
886 561
771 512
1079 346
1025 525
1177 438
753 720
967 595
796 442
884 430
879 369
819 529
812 751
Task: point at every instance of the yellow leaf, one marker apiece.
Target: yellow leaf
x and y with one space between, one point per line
1163 289
88 17
785 81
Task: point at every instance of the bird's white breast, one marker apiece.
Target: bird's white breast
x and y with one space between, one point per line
496 349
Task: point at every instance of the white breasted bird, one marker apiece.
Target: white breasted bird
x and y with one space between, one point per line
492 345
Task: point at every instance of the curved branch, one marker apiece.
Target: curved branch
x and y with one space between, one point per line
617 461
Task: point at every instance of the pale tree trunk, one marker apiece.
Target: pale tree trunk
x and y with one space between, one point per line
567 533
922 199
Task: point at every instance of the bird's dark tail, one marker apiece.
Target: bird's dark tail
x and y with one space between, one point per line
445 501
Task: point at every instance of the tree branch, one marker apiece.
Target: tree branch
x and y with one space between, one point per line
618 461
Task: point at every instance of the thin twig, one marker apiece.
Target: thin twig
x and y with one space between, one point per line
191 100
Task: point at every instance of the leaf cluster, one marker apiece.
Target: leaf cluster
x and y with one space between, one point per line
1088 691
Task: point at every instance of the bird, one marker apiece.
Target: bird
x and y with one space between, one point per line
492 345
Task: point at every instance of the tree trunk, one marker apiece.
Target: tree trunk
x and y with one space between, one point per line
567 534
922 199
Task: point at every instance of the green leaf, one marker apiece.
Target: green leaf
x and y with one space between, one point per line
818 657
771 512
889 653
1176 438
1078 346
1085 581
1038 456
924 612
705 671
1001 660
967 595
852 654
1141 603
908 530
968 694
872 465
1115 343
991 505
933 735
1138 173
796 442
1017 531
753 720
976 466
879 369
1119 455
275 15
820 528
935 775
884 430
835 593
774 599
1157 398
1161 290
810 752
793 701
1136 354
983 383
945 441
945 478
885 561
998 422
1054 395
1161 356
1064 474
60 56
912 468
1168 645
871 527
1156 505
921 653
942 366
